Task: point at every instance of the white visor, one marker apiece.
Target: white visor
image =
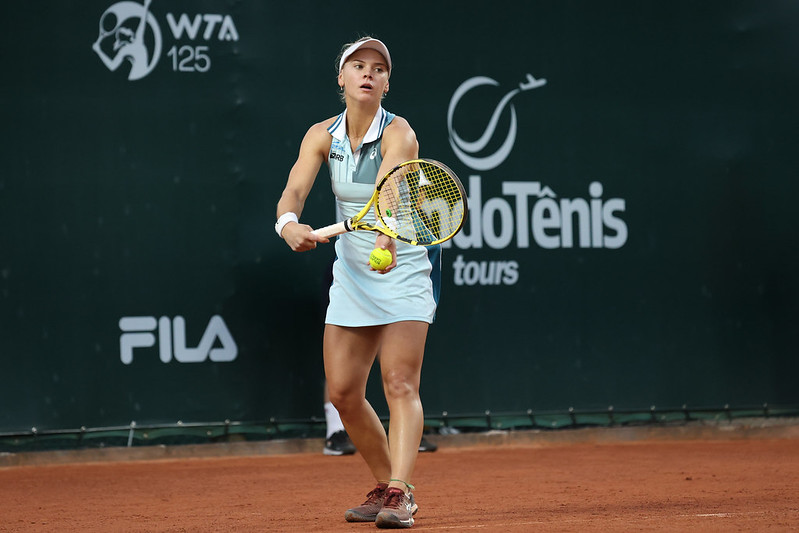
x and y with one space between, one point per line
374 44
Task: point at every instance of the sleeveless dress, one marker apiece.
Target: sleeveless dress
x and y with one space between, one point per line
358 295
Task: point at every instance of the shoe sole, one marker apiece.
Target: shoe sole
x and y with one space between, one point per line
353 516
331 451
392 521
328 451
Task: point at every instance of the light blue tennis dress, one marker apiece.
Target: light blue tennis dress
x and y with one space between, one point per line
358 295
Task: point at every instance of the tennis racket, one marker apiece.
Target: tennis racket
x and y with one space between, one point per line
421 202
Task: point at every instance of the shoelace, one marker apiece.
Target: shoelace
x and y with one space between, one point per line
375 495
395 499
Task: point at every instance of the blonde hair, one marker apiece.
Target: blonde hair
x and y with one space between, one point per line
344 48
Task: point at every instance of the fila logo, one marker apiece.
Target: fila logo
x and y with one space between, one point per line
217 343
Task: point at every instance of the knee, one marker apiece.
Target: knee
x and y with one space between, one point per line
343 400
398 386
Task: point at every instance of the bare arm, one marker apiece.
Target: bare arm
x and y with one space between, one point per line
399 145
313 151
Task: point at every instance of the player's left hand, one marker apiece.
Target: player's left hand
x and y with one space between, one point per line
384 241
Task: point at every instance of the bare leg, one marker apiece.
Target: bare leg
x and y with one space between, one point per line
349 354
401 354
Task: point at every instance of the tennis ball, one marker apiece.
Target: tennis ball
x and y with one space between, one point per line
380 258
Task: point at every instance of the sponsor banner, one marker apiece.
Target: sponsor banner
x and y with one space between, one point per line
628 172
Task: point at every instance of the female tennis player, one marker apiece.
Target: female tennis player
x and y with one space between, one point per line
371 314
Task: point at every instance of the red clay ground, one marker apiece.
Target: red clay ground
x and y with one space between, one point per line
718 485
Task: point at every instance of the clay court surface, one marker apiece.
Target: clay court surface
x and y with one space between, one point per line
653 485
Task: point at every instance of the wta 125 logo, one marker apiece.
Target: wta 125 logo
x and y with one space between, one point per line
130 37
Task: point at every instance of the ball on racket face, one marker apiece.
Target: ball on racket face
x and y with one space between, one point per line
380 258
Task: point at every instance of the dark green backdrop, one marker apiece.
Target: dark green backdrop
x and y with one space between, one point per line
155 198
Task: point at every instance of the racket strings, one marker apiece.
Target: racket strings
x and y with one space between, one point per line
421 202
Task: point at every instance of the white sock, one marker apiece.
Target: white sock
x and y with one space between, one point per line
332 419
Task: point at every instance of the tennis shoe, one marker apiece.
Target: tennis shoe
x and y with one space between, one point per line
339 443
427 446
398 510
367 511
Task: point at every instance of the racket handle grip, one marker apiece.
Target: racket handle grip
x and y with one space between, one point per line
332 230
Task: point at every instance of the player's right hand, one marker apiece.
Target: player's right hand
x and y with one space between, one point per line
300 237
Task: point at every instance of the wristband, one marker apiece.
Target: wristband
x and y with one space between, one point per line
284 219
